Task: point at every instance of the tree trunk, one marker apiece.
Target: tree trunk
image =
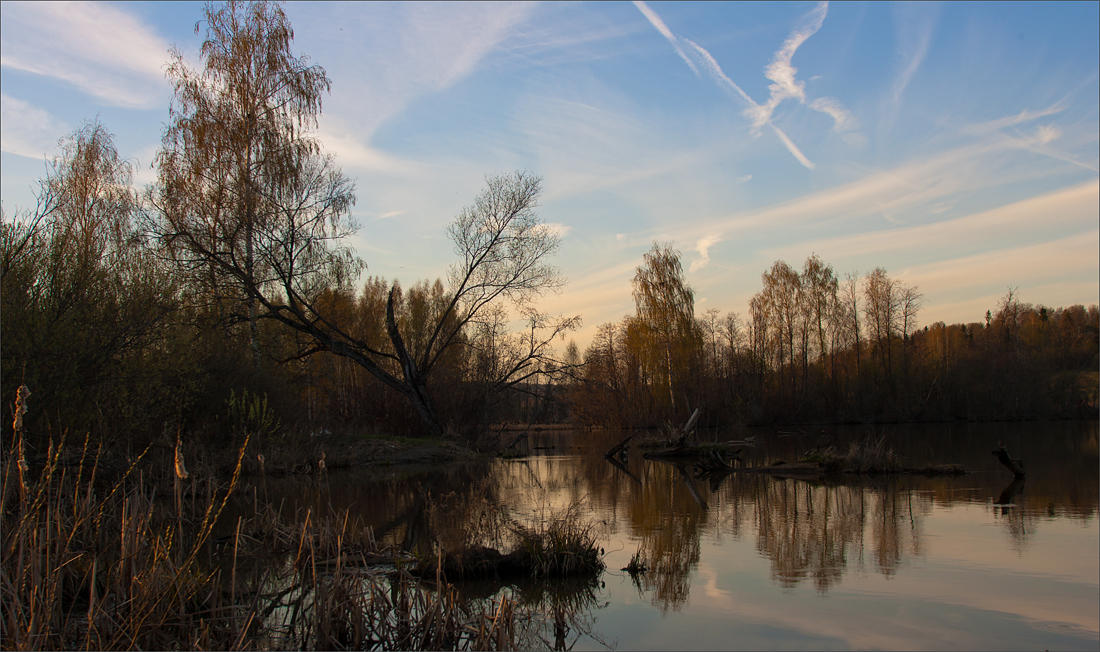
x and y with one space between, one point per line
415 388
1015 465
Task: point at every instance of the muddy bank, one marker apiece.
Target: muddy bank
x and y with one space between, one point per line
342 453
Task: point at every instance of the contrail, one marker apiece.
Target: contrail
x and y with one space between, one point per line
732 89
728 85
716 71
656 21
791 147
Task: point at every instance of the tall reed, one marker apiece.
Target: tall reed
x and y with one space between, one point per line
88 564
83 570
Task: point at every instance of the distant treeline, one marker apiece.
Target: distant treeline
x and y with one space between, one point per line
818 348
111 339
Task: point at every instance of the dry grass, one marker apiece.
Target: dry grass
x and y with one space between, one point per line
558 545
119 571
92 566
869 456
637 564
471 530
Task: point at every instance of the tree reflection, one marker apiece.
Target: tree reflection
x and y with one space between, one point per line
1010 509
667 516
808 531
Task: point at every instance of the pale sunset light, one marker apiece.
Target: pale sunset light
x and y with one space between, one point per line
918 138
544 325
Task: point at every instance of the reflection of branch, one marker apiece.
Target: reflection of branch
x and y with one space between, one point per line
527 466
1014 488
622 467
691 487
621 446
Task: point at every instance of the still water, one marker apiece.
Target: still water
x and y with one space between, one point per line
758 562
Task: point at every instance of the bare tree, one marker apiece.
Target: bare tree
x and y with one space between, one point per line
711 326
820 289
1009 317
849 299
248 207
781 299
235 142
882 311
911 300
502 247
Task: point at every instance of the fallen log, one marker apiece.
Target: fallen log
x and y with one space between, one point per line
520 437
619 447
714 463
676 452
1015 465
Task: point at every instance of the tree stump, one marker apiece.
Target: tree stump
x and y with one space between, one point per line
1015 465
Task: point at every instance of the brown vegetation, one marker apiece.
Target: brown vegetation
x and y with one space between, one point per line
817 348
555 544
93 567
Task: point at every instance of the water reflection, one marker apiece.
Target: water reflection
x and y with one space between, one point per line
667 516
811 533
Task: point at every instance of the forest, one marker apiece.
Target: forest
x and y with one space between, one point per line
818 348
227 289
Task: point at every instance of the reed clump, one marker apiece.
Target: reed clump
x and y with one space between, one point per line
563 545
89 567
637 564
125 565
550 544
869 456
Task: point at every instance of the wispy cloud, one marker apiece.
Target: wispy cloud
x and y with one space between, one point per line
413 50
1068 209
785 84
102 50
558 229
353 153
844 123
908 194
702 247
914 23
1012 120
27 130
1047 133
1056 272
1038 141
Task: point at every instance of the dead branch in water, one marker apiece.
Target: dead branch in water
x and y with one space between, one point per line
1015 465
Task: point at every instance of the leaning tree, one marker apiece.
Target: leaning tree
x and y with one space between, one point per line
248 207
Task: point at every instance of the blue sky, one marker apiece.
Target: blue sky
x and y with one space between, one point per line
954 144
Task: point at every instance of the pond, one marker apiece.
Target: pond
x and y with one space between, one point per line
750 561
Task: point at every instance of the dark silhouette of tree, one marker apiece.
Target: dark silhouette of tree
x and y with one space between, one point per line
235 153
81 301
